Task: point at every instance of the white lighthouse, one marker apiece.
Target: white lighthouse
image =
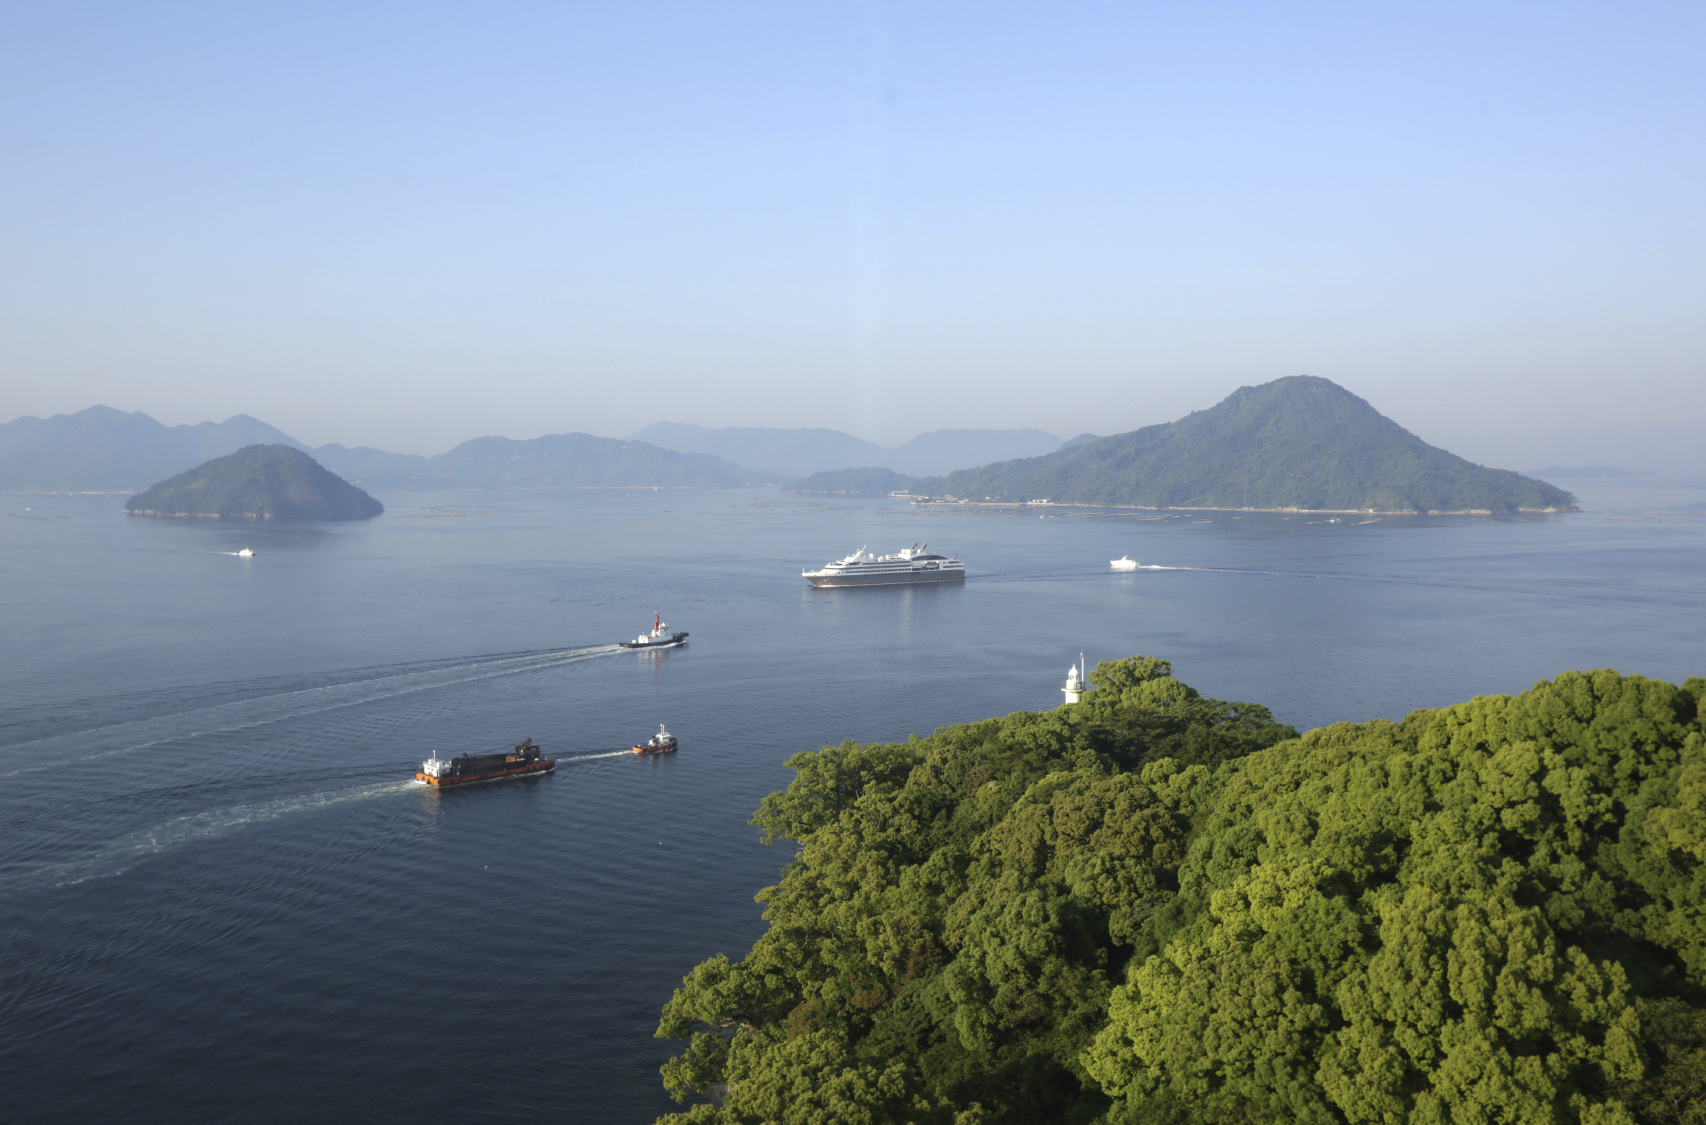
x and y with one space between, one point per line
1074 686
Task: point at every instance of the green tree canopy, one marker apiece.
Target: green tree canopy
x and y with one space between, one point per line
1151 906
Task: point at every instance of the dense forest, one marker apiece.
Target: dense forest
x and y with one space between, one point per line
258 482
1153 907
1297 442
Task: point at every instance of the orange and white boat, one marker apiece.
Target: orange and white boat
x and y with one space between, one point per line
660 743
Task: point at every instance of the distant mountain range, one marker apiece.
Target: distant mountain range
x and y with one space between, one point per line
106 450
1299 442
258 482
559 461
796 453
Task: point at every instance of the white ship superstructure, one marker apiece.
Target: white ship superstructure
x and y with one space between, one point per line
913 564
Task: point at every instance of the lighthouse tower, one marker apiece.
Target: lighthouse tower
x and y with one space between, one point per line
1074 687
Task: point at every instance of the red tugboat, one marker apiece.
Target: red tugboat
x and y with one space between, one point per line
660 743
526 759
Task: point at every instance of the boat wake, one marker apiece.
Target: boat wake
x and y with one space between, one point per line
568 759
123 853
1642 594
39 754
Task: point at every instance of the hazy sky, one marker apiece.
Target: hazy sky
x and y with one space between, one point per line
405 225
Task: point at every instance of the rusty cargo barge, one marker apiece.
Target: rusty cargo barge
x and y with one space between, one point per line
526 760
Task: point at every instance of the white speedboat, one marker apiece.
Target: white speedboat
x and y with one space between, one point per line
1123 563
245 553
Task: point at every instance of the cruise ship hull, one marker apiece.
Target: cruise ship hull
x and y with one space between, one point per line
886 579
903 568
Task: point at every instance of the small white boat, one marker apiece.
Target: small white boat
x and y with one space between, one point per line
245 553
1123 563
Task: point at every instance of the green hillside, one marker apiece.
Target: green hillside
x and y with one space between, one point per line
258 482
1299 442
1151 907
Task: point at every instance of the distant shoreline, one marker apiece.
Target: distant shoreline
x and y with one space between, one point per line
251 517
441 488
919 501
933 502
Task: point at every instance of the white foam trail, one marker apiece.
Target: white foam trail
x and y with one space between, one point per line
1231 570
224 718
125 852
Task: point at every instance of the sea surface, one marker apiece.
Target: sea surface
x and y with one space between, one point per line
223 899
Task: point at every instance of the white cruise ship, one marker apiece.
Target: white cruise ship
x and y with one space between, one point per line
913 564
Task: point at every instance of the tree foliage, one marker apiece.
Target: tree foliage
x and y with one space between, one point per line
1155 907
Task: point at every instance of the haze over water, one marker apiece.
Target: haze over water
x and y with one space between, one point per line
223 899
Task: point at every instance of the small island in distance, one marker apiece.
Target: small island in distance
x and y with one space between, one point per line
258 482
1298 443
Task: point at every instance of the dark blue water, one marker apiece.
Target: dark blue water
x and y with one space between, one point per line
221 899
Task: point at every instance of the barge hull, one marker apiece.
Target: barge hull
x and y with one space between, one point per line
548 766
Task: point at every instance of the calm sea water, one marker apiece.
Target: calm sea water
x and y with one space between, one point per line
222 899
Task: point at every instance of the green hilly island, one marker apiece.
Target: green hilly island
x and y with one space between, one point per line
1156 908
258 482
1299 442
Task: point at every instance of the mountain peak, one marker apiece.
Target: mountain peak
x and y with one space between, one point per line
1301 442
258 482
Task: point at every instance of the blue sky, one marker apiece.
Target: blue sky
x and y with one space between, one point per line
409 224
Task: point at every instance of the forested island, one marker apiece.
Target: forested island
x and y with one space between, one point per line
258 482
1296 443
1153 907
